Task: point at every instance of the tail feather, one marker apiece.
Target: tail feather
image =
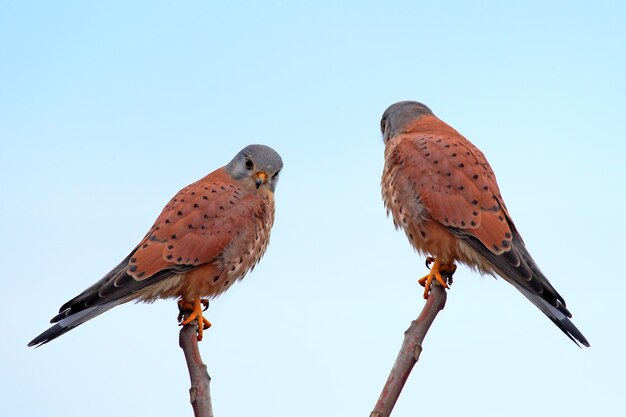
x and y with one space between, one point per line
519 269
555 315
115 288
68 323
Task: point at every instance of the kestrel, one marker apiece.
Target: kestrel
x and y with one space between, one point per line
442 192
207 237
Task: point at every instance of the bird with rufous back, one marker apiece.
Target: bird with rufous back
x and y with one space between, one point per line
440 189
207 237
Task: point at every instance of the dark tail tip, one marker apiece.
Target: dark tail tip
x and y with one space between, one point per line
50 334
571 331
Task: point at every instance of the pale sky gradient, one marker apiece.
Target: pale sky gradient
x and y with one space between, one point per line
108 108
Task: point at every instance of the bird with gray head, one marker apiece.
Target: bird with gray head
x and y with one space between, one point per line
207 237
257 158
399 115
442 192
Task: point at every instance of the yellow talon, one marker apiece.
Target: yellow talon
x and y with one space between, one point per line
436 274
195 313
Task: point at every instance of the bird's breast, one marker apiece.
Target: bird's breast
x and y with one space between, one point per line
247 249
240 256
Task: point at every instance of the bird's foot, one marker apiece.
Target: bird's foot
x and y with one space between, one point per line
440 272
193 311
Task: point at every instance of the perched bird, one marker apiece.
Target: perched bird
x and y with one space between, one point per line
207 237
442 192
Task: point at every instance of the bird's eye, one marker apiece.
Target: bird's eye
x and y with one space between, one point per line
275 175
249 164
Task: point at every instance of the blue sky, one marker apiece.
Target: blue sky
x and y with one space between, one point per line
108 108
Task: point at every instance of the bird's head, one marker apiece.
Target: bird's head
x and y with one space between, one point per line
397 116
256 166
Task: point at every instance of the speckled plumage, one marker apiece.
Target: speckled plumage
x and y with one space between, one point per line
440 189
208 236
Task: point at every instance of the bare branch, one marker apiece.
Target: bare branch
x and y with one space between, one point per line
199 393
409 352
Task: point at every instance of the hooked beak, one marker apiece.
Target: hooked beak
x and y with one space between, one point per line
260 178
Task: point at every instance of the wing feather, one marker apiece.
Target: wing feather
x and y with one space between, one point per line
457 186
